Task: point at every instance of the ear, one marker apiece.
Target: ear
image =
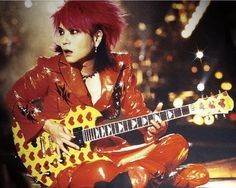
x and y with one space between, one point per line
97 37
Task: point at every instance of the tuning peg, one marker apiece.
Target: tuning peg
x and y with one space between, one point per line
219 91
224 115
216 116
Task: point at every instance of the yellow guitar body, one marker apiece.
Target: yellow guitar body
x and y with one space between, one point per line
41 159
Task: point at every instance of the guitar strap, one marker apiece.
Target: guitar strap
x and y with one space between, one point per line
113 109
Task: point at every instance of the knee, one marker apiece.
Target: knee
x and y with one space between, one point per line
177 148
139 176
178 141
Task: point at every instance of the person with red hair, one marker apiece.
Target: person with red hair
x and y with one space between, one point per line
86 72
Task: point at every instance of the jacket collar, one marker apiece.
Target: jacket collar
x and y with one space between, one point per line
73 79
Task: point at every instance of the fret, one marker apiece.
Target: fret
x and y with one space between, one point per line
121 127
94 134
103 131
177 112
89 135
150 117
126 128
139 120
134 123
144 121
170 114
185 110
156 117
109 130
97 132
113 128
163 115
100 131
116 128
84 135
129 123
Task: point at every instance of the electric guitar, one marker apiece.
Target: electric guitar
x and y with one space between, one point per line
43 163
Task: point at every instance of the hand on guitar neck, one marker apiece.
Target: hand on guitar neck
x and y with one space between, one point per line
60 135
159 126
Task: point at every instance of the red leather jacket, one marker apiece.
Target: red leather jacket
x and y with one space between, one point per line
59 87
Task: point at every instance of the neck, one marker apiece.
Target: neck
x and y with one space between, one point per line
88 67
87 64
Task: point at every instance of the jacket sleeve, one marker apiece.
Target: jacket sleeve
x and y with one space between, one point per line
132 100
20 100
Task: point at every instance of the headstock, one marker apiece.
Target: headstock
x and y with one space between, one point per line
221 103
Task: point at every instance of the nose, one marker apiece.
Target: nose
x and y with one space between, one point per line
65 39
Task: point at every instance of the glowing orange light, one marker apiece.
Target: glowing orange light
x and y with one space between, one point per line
194 69
138 43
206 68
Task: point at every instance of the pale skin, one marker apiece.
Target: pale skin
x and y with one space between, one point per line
75 46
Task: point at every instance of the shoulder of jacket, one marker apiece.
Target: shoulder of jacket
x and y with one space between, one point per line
48 61
122 58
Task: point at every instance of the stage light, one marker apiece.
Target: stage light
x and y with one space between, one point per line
206 68
194 20
154 78
201 87
218 75
198 120
170 18
142 26
28 3
183 18
178 102
226 86
194 69
159 31
199 54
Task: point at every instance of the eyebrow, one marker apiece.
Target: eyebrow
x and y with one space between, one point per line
60 28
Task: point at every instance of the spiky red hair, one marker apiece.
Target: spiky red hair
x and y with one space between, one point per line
87 16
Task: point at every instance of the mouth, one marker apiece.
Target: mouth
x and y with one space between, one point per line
67 52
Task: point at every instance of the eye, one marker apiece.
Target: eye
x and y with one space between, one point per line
74 31
60 31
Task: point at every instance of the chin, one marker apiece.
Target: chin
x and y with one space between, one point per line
71 60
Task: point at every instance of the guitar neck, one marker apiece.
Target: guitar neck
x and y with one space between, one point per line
127 125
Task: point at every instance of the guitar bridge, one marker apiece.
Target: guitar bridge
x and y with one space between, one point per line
79 140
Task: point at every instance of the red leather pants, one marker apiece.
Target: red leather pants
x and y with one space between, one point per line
153 162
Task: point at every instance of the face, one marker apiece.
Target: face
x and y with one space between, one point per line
75 44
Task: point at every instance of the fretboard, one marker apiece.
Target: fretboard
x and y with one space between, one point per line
127 125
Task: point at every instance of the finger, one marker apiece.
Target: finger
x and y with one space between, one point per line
163 124
155 124
67 131
159 107
62 147
71 144
152 130
58 151
65 136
